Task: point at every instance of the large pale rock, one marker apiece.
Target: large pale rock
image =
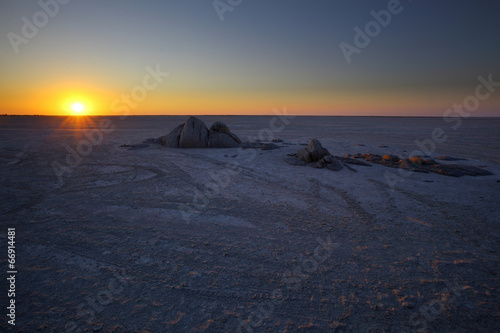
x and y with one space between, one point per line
172 139
220 127
194 134
221 140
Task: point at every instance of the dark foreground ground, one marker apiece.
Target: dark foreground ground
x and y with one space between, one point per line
176 240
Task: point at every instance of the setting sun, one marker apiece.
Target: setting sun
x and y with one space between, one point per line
78 107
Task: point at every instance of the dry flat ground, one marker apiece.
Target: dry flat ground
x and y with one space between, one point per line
201 240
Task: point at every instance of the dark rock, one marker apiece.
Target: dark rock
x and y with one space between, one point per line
317 165
408 165
416 160
334 166
221 140
194 134
171 140
348 160
259 145
449 158
382 146
220 127
374 158
419 164
138 146
276 140
269 146
313 152
359 144
457 170
235 137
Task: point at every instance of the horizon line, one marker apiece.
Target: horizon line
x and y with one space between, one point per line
229 115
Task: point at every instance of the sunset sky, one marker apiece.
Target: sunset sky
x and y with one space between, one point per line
264 54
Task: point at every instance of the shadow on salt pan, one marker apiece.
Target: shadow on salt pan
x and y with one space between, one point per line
221 219
165 215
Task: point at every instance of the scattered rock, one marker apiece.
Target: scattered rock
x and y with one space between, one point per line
259 145
420 164
416 160
348 160
449 158
391 158
408 165
276 140
457 170
331 163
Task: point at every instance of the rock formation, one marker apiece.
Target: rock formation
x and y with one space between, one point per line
425 165
316 156
312 153
195 134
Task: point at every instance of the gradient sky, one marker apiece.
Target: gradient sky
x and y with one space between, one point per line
266 54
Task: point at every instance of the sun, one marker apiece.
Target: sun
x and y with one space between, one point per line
77 107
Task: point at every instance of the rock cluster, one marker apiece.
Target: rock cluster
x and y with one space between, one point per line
316 156
423 164
195 134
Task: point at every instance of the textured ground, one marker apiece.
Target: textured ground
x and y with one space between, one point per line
180 240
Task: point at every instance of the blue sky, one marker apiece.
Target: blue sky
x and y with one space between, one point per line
264 54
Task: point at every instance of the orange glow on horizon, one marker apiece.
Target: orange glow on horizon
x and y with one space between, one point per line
86 100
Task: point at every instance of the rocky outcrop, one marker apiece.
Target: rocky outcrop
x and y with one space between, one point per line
221 140
172 138
424 164
220 136
195 134
318 157
312 153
